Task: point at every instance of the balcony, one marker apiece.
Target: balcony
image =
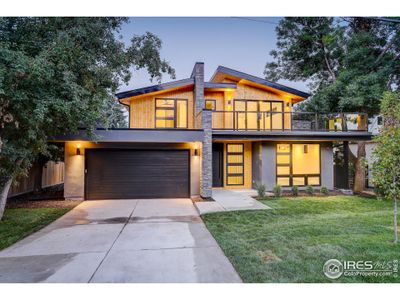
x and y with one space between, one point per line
289 121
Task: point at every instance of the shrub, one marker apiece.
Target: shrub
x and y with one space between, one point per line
309 190
295 190
261 189
324 190
277 190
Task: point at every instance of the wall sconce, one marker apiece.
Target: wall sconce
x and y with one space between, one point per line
78 149
229 107
305 149
196 152
287 104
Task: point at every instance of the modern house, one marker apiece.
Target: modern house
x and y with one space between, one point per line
189 136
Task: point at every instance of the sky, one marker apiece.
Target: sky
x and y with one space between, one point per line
236 43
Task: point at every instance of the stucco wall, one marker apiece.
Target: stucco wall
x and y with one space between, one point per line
74 187
266 170
269 165
327 165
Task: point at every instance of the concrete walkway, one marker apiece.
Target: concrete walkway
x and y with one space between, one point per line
120 241
230 200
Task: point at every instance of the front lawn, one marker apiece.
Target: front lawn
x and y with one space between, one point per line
18 223
292 241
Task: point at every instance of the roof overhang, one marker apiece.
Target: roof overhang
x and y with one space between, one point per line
156 88
223 73
290 136
219 86
134 135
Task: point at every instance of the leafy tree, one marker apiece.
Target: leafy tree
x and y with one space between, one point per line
386 169
58 74
349 63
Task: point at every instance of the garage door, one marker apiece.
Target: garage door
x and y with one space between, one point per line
135 174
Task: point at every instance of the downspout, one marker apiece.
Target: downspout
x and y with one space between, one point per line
129 112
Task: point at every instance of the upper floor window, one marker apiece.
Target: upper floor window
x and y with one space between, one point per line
211 104
171 113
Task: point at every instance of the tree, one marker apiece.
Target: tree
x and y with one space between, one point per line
57 75
349 64
386 169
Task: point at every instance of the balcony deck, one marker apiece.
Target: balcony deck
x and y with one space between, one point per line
231 125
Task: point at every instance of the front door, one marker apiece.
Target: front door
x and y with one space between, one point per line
218 164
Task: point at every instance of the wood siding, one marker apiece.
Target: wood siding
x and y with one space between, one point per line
142 113
243 92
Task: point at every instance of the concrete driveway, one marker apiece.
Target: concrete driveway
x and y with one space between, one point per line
157 240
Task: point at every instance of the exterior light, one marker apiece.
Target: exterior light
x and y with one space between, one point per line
196 152
229 107
78 149
305 149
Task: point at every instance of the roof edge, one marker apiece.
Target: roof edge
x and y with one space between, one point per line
155 88
259 80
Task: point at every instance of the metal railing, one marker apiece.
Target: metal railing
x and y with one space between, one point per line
288 121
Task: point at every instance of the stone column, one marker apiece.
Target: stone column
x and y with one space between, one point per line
206 156
198 76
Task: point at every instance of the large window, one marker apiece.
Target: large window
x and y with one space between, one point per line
234 164
171 113
259 115
298 164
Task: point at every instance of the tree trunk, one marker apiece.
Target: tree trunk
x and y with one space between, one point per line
3 196
37 170
359 177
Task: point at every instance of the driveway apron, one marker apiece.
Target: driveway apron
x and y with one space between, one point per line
151 240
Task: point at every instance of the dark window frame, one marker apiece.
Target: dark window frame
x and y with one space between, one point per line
291 175
235 124
234 164
174 118
210 100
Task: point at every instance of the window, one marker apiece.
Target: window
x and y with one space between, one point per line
211 104
298 164
259 115
234 164
171 113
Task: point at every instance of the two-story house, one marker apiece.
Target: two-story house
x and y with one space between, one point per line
189 136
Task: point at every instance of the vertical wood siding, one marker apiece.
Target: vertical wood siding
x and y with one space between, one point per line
143 109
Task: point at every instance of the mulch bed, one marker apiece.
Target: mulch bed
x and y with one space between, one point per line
54 203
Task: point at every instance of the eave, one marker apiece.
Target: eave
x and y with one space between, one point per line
226 73
290 136
156 88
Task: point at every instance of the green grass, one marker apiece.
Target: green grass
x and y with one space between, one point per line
291 242
18 223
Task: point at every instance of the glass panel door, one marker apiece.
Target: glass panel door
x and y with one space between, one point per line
252 115
240 115
265 120
277 116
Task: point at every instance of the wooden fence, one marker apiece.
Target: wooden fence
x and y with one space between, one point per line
52 174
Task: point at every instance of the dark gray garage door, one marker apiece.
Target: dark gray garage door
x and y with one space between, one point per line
134 174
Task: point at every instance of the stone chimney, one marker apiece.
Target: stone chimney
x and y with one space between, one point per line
198 76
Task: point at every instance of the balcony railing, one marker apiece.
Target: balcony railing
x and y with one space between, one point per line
288 121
